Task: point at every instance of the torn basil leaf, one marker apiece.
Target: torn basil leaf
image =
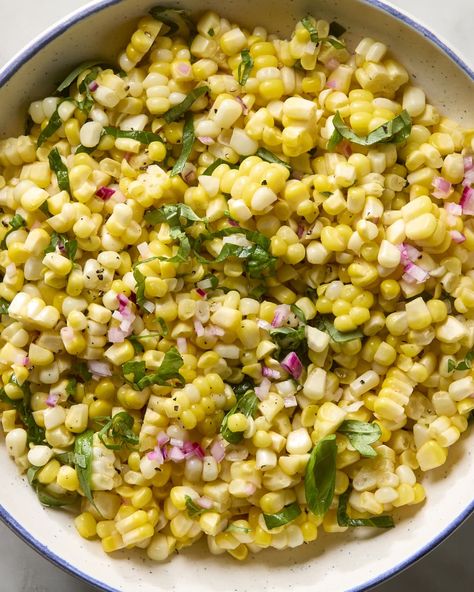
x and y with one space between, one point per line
268 156
361 435
54 123
192 508
143 137
187 145
396 131
83 456
325 324
168 370
171 17
35 433
288 514
4 305
60 169
315 38
140 287
320 476
343 519
173 214
15 223
247 404
45 497
117 431
212 167
66 246
245 67
76 73
179 110
465 364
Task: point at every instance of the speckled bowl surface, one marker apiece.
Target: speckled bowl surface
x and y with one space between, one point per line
335 563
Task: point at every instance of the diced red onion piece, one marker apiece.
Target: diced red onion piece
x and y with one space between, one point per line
290 401
245 109
182 345
204 502
263 389
52 399
416 272
99 368
468 163
162 439
331 84
292 364
442 188
468 178
218 450
105 193
201 292
93 86
467 201
176 454
300 230
199 328
176 442
207 140
458 237
214 330
332 64
157 455
193 449
270 373
116 335
184 68
453 208
282 312
233 222
264 325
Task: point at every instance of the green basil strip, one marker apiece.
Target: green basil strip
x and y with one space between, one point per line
15 223
179 110
288 514
192 508
172 214
83 456
268 156
245 67
76 73
4 305
361 435
143 137
71 387
168 370
466 364
396 131
65 245
320 476
140 288
343 519
57 165
247 404
44 496
168 16
35 433
326 325
188 141
313 33
212 167
54 123
117 432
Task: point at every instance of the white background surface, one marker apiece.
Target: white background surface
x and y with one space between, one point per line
451 566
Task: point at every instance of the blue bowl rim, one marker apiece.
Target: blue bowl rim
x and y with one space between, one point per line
5 74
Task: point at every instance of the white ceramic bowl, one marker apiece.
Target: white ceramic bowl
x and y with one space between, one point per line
335 563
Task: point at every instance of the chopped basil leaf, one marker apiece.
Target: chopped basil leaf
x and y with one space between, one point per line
15 223
299 314
336 30
4 305
171 17
57 165
83 457
46 498
268 156
80 370
184 250
85 150
44 208
140 288
88 102
169 370
143 137
320 476
192 508
290 339
466 364
313 33
76 73
361 435
235 528
396 131
257 292
66 458
247 404
135 339
343 519
179 110
35 433
212 167
63 244
172 214
288 514
54 123
326 325
71 387
245 67
187 146
163 325
117 431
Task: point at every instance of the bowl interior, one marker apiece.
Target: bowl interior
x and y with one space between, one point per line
334 563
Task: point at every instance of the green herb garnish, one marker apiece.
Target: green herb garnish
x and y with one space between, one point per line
35 433
288 514
4 305
83 456
395 131
192 508
466 364
81 370
45 497
57 165
245 67
15 223
135 339
313 33
71 387
212 167
143 137
88 102
361 435
76 73
325 324
173 214
179 110
54 123
117 431
64 244
343 519
247 404
268 156
188 141
171 17
169 370
140 287
320 476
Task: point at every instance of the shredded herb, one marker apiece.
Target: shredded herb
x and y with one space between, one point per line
466 364
361 435
57 165
179 110
288 514
268 156
83 456
343 519
173 214
117 431
299 314
76 73
4 305
64 244
245 67
140 287
192 508
35 433
395 131
15 223
88 102
247 404
289 339
168 371
325 324
80 370
143 137
257 292
320 476
45 497
313 33
212 167
187 146
171 17
54 123
71 387
163 325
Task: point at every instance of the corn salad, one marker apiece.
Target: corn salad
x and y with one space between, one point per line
237 295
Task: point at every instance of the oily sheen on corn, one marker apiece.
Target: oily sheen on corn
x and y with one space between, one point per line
375 240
